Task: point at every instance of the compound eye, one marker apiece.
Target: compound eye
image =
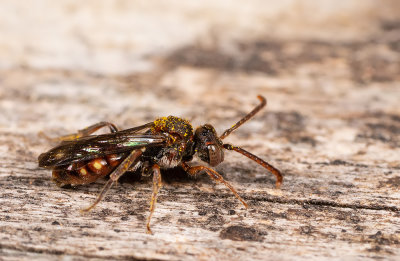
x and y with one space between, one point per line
215 154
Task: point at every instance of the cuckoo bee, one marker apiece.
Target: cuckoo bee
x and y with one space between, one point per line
165 143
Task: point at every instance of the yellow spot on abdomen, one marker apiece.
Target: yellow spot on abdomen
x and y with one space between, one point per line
83 171
97 165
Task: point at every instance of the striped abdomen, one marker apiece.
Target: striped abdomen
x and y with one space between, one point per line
85 172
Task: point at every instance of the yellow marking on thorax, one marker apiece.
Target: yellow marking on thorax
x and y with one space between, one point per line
83 171
173 124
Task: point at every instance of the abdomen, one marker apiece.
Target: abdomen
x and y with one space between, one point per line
86 172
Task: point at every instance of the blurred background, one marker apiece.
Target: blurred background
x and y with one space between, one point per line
123 37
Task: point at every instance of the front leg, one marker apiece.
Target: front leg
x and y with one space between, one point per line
214 175
260 161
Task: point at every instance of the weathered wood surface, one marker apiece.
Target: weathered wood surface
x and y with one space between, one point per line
332 125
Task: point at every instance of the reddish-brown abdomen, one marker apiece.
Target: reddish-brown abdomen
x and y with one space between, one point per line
115 159
99 166
86 172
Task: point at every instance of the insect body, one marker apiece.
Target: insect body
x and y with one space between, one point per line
167 142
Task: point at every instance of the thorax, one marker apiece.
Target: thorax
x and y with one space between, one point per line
180 146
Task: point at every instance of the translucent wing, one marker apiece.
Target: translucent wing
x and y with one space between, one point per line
91 147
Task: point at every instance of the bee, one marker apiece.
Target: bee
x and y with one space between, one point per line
165 143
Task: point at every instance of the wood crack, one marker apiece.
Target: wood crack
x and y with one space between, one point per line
55 252
319 202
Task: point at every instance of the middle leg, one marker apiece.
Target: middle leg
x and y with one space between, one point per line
156 187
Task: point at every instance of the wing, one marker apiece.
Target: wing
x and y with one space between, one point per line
91 147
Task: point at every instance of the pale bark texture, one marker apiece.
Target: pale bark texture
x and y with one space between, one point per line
330 71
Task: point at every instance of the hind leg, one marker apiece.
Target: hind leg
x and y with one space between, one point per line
84 132
131 159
